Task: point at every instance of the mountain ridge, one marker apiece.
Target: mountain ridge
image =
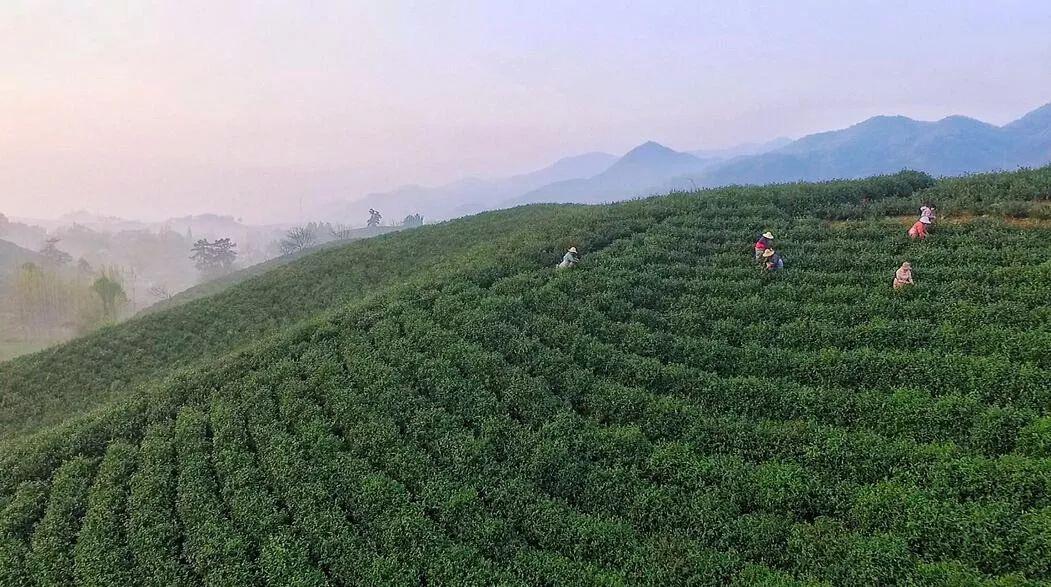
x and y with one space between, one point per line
953 145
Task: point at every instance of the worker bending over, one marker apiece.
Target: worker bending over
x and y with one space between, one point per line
765 242
903 276
772 260
570 259
919 230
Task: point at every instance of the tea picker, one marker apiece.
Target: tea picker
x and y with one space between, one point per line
765 243
570 259
773 260
919 229
903 276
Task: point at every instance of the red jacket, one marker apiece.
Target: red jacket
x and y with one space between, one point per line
918 230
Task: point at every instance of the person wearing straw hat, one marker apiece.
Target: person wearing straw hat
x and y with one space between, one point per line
772 260
903 276
919 229
570 259
765 242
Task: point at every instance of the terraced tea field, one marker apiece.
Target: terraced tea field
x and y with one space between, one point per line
664 414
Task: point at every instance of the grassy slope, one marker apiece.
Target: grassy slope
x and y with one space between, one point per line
221 284
43 388
661 412
12 349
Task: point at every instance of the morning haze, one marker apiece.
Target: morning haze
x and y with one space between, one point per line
276 114
442 292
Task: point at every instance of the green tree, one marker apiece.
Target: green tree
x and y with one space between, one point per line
297 239
374 217
111 293
54 255
214 258
412 220
340 231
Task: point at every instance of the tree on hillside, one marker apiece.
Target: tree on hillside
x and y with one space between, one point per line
46 303
161 291
214 258
341 231
84 268
4 224
54 256
374 217
111 293
412 220
297 239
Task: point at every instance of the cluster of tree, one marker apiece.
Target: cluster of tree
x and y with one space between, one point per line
214 258
147 258
51 304
412 220
303 237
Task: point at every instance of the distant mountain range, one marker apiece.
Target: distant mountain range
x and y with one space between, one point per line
466 196
950 146
882 144
641 168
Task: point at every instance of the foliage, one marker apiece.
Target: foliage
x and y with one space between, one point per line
340 231
214 258
412 220
47 302
111 294
53 255
298 239
440 406
374 218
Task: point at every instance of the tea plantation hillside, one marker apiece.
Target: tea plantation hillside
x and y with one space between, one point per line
220 284
111 363
443 407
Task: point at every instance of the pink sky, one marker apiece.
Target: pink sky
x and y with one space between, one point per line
153 109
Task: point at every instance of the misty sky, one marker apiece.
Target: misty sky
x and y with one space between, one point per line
152 109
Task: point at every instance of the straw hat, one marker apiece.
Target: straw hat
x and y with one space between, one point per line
768 253
572 249
768 234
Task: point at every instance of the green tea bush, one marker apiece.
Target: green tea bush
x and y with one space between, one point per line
442 406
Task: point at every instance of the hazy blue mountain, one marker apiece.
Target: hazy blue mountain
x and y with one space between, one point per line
471 195
885 144
882 144
1034 133
742 150
643 167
